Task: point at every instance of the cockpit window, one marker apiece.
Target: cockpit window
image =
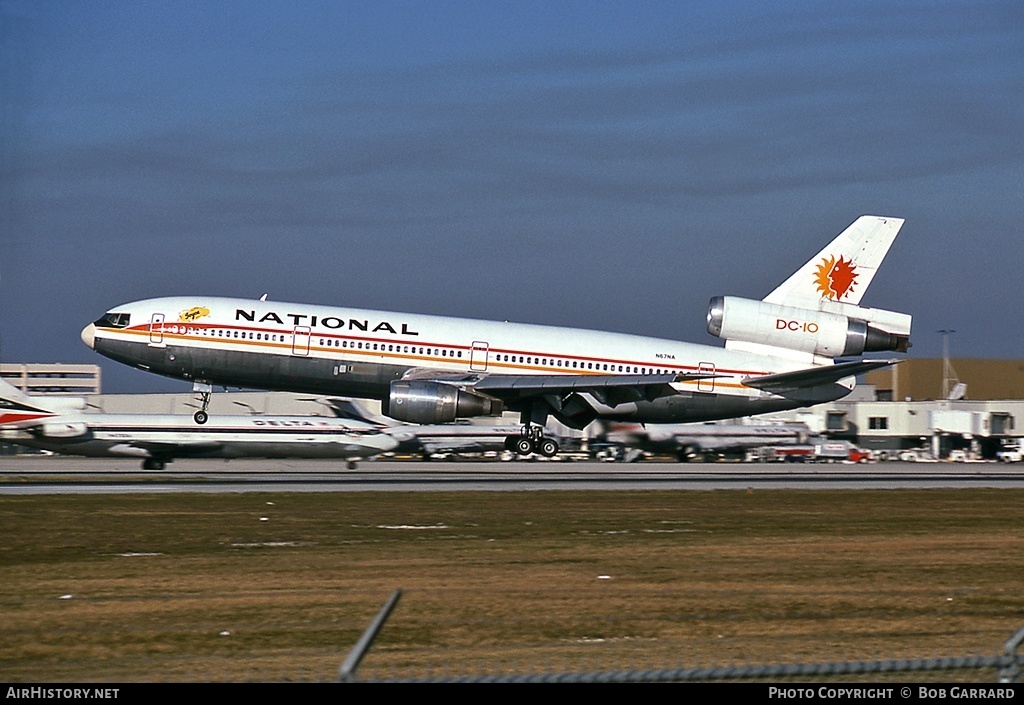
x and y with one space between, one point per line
113 320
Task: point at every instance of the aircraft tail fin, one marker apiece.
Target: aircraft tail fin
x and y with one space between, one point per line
843 270
348 409
815 316
16 407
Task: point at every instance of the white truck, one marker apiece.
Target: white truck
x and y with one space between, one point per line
1010 453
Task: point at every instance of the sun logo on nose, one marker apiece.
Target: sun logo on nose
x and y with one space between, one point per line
835 279
193 314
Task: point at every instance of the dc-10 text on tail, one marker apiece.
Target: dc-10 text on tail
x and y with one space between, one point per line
780 352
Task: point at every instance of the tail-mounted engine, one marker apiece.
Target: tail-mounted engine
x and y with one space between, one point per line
805 330
419 401
59 429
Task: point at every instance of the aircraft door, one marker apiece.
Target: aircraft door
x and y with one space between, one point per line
706 385
478 356
156 330
300 340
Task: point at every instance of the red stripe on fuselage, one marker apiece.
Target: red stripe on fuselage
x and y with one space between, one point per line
10 417
144 330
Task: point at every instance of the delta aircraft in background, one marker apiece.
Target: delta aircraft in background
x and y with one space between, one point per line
780 352
61 425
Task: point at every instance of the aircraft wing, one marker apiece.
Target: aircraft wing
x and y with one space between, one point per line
563 394
815 376
610 390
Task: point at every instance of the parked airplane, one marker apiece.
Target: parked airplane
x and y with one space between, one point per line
690 441
61 426
780 352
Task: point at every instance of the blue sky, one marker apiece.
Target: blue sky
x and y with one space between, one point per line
608 165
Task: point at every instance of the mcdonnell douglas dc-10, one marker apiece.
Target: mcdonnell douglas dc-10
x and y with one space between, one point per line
780 352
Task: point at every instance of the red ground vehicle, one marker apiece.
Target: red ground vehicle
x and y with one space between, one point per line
830 451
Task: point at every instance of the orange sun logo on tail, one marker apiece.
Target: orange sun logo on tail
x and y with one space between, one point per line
835 279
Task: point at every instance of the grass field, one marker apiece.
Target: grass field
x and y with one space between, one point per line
247 587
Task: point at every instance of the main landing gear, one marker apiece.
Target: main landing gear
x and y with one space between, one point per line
533 417
204 391
532 440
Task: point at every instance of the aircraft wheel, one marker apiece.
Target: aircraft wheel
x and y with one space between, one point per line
152 464
548 448
201 417
524 445
352 465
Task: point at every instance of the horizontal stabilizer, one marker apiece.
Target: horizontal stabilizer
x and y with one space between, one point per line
815 376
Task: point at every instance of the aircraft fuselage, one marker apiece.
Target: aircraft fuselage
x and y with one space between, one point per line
359 353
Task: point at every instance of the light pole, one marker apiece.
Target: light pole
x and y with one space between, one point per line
948 374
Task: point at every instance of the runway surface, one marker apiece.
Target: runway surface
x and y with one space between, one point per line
27 475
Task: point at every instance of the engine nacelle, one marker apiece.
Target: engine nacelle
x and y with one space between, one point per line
71 429
817 332
420 401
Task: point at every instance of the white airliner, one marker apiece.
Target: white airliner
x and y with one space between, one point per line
700 441
61 425
780 352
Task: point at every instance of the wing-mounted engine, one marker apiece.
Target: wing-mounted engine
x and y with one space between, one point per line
422 401
850 330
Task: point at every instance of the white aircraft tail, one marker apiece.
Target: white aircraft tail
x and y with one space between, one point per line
17 407
815 316
844 268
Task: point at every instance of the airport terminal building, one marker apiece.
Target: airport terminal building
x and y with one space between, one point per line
966 404
52 378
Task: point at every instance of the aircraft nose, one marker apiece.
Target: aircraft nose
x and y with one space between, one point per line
89 335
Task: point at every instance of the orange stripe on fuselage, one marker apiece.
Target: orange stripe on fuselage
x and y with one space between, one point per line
460 363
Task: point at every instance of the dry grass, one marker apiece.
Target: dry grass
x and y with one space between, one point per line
279 587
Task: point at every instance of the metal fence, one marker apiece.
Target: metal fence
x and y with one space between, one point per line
1007 666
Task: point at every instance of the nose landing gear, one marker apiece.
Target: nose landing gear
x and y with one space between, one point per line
204 391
